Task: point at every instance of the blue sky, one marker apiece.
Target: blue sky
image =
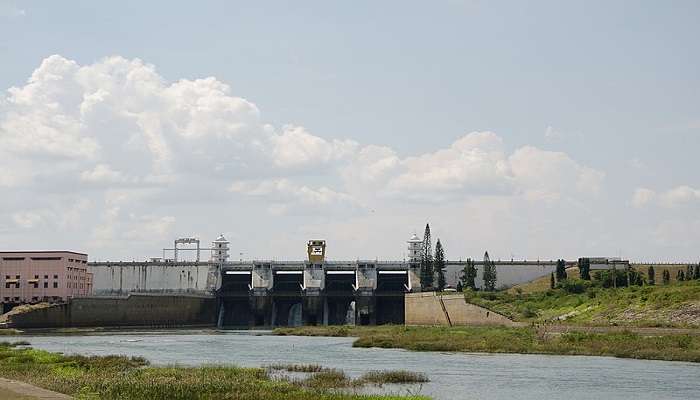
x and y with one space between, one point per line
614 86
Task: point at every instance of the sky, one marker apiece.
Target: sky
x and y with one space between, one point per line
536 130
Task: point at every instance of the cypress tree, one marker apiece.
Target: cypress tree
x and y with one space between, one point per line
439 265
680 276
489 273
651 275
689 273
427 276
696 275
468 275
561 270
551 280
666 277
584 268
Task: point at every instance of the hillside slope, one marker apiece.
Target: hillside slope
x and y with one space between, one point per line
674 305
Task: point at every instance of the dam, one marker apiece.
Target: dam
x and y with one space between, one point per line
314 291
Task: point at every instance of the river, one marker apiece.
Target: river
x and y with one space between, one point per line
452 375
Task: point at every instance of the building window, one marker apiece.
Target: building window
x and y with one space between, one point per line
55 285
36 276
46 277
46 285
7 285
55 277
7 276
16 276
7 299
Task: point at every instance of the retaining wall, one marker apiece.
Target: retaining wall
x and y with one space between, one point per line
449 310
134 310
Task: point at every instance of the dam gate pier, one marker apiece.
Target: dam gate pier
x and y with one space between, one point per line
272 294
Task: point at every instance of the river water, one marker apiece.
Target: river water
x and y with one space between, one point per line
452 375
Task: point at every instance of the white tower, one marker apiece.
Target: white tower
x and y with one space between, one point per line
220 249
415 249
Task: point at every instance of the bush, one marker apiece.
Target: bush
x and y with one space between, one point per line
605 278
575 286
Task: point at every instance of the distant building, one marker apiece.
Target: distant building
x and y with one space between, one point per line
597 263
219 249
415 249
36 276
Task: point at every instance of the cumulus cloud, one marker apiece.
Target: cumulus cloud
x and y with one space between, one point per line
673 198
642 197
124 142
286 195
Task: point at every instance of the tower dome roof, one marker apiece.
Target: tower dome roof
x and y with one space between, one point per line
221 239
415 239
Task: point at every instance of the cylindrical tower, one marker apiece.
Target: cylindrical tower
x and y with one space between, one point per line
220 249
415 249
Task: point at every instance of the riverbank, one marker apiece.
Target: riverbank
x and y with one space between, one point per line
525 340
123 378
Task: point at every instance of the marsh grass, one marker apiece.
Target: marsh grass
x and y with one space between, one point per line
327 378
131 378
297 367
525 340
400 376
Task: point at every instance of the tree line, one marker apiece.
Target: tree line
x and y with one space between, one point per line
433 268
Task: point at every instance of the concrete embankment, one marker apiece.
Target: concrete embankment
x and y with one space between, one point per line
449 310
145 310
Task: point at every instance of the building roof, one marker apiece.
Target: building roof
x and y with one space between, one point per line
42 252
221 239
415 239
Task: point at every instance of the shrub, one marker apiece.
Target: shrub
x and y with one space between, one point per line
574 285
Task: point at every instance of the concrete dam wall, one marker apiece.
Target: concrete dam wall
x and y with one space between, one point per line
142 310
449 310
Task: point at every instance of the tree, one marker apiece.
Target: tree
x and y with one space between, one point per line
666 277
696 275
439 265
459 286
584 268
680 276
551 281
561 270
468 276
427 275
689 273
651 275
489 273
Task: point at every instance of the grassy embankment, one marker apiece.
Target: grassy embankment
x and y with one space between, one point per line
514 340
673 305
118 377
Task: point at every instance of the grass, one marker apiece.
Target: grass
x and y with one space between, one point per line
123 378
384 377
309 368
525 340
322 377
673 305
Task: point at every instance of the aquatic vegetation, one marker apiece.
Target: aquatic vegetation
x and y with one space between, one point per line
400 376
525 340
131 378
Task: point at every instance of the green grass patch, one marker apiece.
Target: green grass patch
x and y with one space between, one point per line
673 305
125 378
524 340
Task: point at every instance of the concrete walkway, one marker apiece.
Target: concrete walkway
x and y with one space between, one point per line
27 391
